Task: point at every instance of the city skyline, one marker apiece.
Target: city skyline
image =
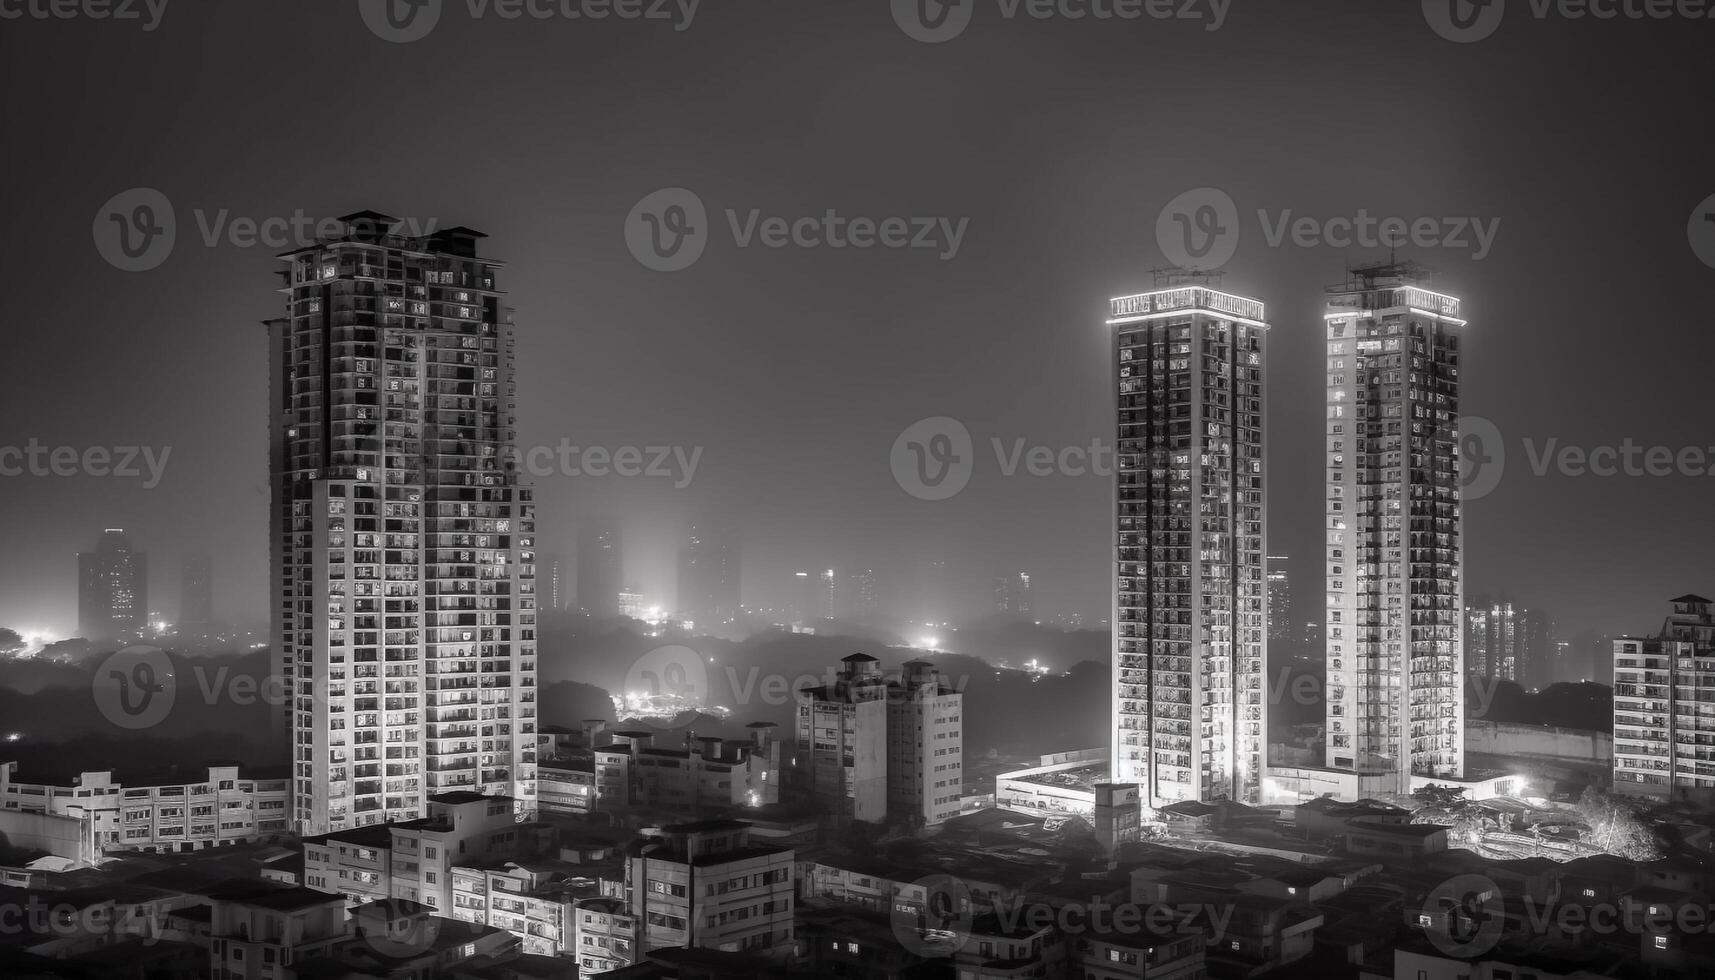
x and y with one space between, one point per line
1066 489
563 211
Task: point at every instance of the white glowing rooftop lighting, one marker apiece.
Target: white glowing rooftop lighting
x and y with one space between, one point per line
1180 300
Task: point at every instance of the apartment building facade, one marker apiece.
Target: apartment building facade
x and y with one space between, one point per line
402 539
160 812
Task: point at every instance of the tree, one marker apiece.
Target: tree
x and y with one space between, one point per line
1616 826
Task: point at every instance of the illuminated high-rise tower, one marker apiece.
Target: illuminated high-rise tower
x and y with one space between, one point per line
112 589
402 539
1395 699
1281 634
1190 533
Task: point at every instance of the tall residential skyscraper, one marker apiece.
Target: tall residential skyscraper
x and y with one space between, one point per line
1282 633
196 593
403 540
1395 660
601 568
1190 536
112 589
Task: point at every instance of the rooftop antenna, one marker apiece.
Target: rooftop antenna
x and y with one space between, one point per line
1172 276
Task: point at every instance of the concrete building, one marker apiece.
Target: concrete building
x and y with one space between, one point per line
925 745
1063 783
706 885
402 539
161 812
842 739
261 935
884 748
413 860
1395 556
604 935
1190 601
597 769
534 900
1664 707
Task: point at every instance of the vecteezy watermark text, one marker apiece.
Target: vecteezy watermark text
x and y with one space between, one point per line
404 21
1201 229
137 229
122 462
1465 21
934 458
935 21
146 12
668 230
137 687
565 459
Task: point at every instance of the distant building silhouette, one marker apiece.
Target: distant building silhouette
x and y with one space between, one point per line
112 589
1283 633
1013 595
601 568
864 598
196 593
710 583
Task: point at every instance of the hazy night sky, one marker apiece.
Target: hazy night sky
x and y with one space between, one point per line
795 369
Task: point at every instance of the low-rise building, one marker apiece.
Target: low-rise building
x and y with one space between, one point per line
413 860
604 935
596 770
160 811
706 885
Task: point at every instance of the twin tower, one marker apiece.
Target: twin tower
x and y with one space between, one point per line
1192 688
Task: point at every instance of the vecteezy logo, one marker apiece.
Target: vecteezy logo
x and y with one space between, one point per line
134 231
668 230
1464 21
1199 229
1464 915
1701 231
932 916
400 21
933 458
135 687
933 21
672 676
1482 457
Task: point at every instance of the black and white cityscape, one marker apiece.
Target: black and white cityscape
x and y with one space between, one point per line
877 489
